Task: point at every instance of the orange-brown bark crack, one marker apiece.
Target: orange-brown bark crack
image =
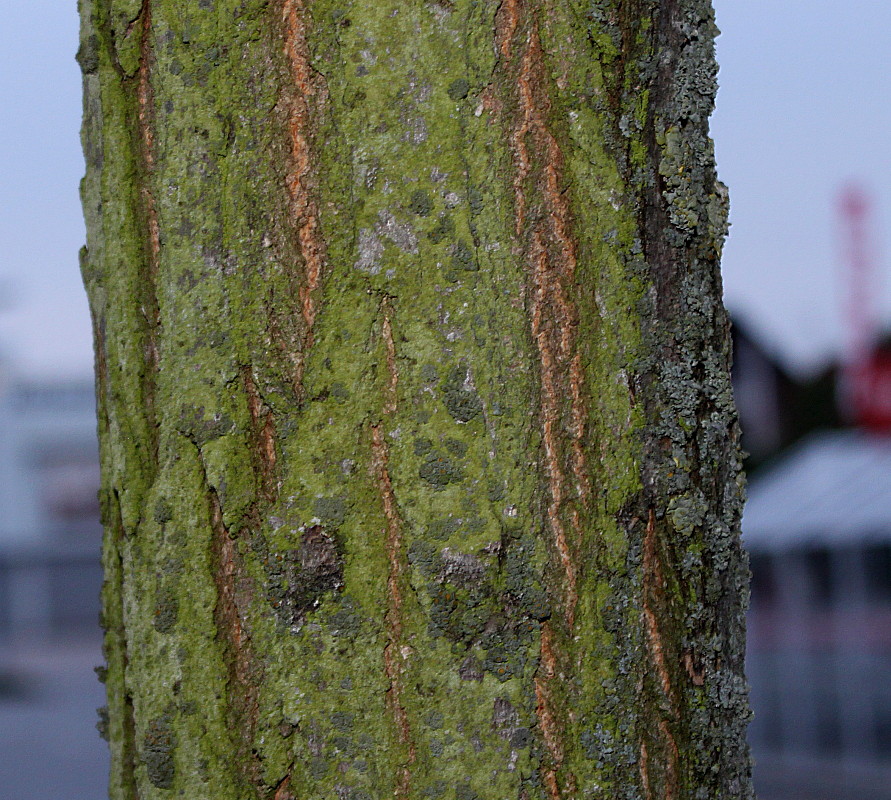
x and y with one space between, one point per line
392 373
283 790
144 121
549 250
308 92
393 650
543 230
644 765
393 656
653 588
233 596
653 591
550 728
262 435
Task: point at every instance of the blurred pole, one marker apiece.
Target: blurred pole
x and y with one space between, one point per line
860 389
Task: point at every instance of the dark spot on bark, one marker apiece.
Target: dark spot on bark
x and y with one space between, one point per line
444 229
88 55
457 613
429 373
330 510
157 752
460 398
422 446
464 792
166 610
298 579
462 257
345 621
456 447
439 471
163 513
343 721
200 429
421 203
102 722
471 669
459 89
441 529
435 789
520 738
423 555
475 200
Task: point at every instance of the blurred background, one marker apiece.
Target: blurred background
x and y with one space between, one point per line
800 129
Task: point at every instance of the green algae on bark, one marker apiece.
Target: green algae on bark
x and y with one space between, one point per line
420 464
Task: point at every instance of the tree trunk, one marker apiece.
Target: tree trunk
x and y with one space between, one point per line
421 469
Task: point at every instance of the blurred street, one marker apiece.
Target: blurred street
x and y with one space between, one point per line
49 746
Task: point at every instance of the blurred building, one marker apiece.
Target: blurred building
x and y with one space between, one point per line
49 518
817 526
775 408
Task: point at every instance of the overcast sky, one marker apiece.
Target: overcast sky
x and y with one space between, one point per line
803 108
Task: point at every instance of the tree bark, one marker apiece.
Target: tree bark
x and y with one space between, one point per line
420 464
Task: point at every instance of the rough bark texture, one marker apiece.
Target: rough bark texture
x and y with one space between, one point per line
421 470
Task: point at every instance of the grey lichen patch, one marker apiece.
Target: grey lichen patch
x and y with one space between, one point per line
459 394
415 130
158 746
688 511
462 569
471 669
371 246
400 233
371 250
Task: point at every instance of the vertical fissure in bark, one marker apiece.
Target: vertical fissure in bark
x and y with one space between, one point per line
545 242
392 372
551 728
394 648
283 790
146 143
113 610
543 230
229 617
263 448
653 599
306 96
549 250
